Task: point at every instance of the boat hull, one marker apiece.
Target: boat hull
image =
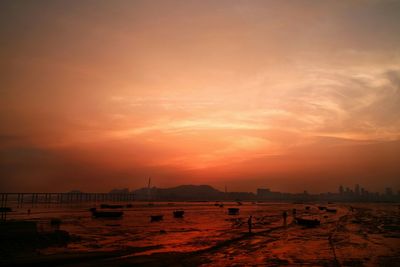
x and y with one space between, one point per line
307 222
156 218
233 211
107 214
178 213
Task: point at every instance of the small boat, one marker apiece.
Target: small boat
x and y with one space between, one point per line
107 206
156 218
55 221
221 205
233 211
307 222
178 213
107 214
308 207
5 209
333 210
321 207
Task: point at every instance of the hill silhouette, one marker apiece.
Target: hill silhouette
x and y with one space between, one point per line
182 192
189 193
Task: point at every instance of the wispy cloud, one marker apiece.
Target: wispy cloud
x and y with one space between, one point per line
198 84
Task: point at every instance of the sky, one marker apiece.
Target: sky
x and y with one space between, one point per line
288 95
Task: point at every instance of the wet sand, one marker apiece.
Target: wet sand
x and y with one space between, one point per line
367 236
358 238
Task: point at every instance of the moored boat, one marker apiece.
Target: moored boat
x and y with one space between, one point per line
5 209
333 210
178 213
307 222
108 206
156 218
233 211
107 214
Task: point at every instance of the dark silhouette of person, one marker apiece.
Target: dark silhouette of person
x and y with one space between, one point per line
249 222
284 215
294 211
29 211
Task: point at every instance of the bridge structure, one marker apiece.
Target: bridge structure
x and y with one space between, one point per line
20 199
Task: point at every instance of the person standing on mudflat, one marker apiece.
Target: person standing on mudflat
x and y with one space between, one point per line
284 215
249 222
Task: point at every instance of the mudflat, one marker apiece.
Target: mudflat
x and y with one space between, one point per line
357 235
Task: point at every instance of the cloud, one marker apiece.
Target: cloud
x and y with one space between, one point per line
181 88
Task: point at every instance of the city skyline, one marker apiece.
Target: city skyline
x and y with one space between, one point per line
341 190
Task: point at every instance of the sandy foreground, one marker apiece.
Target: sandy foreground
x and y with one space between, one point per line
368 235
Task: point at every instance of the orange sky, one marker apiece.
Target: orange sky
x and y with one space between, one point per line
289 95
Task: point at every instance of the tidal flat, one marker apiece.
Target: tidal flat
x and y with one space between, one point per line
358 234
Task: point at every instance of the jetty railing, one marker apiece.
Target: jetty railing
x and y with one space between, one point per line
62 198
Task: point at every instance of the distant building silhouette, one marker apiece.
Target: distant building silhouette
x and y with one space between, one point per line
208 193
388 191
345 194
341 190
120 191
263 192
357 189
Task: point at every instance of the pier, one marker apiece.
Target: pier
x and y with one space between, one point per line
19 199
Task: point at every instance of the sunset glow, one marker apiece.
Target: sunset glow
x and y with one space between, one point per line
288 96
